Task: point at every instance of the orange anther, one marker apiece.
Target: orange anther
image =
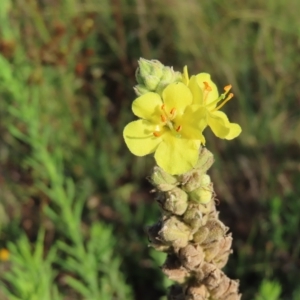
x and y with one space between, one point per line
163 118
207 86
163 107
229 96
227 88
179 128
173 111
156 133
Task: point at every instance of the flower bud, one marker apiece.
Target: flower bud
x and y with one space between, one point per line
193 181
232 291
193 217
147 67
205 161
175 232
197 293
202 195
219 291
212 275
162 180
207 208
216 229
191 257
174 270
200 236
154 239
153 76
211 251
169 76
221 261
140 90
148 75
175 201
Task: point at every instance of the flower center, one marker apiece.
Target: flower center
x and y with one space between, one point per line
224 96
167 119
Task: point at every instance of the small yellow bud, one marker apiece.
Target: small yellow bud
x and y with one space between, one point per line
202 195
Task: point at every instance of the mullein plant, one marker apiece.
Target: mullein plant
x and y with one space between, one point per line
173 111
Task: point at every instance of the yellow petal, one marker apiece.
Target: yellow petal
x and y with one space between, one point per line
139 138
148 107
196 91
193 122
176 155
177 95
209 96
218 124
185 76
235 130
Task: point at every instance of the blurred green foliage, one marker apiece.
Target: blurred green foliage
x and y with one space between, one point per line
73 200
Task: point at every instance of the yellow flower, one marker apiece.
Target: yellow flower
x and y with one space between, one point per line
205 93
168 126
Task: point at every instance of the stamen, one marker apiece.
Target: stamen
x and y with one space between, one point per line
207 87
173 111
163 118
224 102
227 88
179 128
156 133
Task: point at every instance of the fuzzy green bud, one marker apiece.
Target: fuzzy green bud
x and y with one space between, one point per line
217 231
140 90
148 74
169 76
162 180
200 236
147 67
211 252
153 76
204 192
205 161
175 233
193 179
175 201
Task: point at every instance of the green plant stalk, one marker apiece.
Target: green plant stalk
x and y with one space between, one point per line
197 243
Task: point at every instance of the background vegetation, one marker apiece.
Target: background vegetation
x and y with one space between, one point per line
74 202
